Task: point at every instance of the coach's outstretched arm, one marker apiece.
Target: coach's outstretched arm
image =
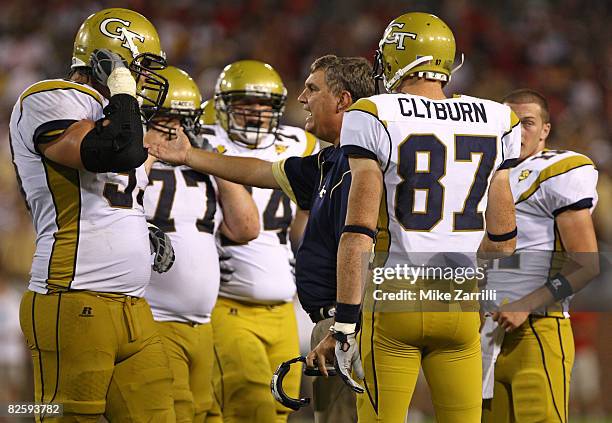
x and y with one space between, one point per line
500 217
242 170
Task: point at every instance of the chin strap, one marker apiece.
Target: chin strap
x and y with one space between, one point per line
403 71
456 68
439 76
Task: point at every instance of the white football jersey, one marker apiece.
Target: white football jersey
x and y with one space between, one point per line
91 230
183 203
543 186
263 273
438 158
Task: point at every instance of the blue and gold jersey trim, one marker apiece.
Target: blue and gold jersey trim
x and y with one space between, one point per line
278 171
64 186
365 105
58 84
555 169
311 143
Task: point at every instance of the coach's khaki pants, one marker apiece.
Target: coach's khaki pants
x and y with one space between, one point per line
333 400
97 353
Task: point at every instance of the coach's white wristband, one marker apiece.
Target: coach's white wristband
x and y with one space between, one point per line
121 81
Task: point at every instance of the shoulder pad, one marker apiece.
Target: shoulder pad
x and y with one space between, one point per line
60 84
365 105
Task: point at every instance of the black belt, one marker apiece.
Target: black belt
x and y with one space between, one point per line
323 313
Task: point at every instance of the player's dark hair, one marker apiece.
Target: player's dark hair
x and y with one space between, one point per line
81 72
527 95
352 74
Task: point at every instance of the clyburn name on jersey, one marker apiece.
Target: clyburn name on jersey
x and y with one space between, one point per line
422 108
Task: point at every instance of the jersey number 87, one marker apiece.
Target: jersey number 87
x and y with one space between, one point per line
468 219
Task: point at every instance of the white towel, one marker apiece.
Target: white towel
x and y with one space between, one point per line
491 338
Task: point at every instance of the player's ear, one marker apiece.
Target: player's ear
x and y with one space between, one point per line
344 101
545 131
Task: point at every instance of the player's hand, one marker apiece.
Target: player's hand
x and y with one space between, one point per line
103 62
347 358
161 248
225 268
512 315
174 150
322 353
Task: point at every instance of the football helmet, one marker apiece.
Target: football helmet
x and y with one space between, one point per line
418 44
276 385
249 102
134 38
182 102
208 116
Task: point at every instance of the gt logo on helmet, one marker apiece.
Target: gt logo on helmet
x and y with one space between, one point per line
122 33
396 37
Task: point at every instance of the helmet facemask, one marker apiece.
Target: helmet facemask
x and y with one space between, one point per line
135 39
378 73
152 86
250 116
161 120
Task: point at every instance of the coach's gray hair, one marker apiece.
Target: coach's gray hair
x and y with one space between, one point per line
352 74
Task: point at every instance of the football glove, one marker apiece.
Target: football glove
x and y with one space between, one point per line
161 249
347 358
226 269
110 70
103 62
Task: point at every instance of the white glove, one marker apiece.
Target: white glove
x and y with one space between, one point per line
110 70
347 355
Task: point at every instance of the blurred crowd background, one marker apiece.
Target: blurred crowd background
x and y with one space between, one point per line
560 47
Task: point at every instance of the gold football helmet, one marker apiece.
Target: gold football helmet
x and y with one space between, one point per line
134 38
209 116
182 103
415 44
249 101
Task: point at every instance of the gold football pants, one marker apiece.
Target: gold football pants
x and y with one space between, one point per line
250 342
532 373
97 354
191 355
394 345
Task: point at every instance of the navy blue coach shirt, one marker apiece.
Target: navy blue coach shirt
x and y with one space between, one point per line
319 183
